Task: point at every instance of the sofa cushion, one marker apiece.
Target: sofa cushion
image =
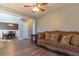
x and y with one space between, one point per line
68 47
66 39
47 35
54 37
75 40
41 40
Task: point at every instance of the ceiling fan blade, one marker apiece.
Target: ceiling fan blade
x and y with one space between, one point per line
42 9
27 6
42 3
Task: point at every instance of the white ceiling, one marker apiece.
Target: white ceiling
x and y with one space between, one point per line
28 10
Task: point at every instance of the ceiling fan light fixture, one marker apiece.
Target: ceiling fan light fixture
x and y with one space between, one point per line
35 9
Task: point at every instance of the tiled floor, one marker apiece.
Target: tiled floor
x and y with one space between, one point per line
23 48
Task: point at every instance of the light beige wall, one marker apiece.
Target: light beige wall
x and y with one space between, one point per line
66 19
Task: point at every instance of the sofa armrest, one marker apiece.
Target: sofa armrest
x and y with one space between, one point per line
41 35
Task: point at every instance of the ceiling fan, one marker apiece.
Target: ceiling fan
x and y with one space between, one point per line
37 7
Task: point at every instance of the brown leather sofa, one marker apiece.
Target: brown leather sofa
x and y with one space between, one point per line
61 41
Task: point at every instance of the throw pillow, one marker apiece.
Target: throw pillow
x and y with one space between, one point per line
66 39
54 37
75 40
47 35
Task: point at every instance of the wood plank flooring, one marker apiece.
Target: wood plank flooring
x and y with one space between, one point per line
23 48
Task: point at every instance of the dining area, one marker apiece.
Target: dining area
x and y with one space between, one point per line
8 35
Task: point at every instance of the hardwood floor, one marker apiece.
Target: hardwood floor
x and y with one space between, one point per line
23 48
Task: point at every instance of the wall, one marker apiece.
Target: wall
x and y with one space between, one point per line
65 19
8 26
